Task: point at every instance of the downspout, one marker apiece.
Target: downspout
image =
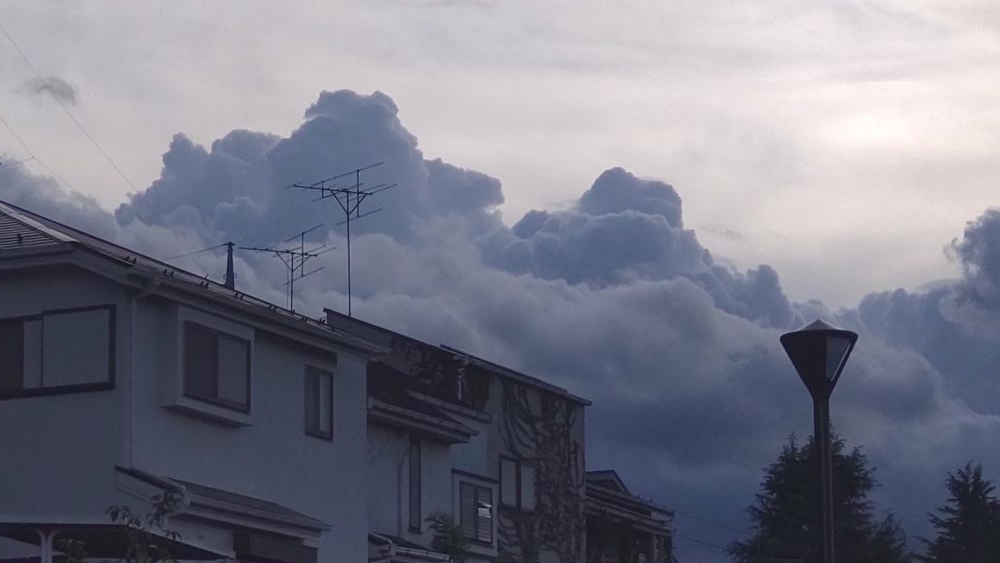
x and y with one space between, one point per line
403 457
152 284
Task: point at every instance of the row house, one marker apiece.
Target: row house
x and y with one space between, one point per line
498 452
278 438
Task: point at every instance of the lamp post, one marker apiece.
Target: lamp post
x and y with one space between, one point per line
819 351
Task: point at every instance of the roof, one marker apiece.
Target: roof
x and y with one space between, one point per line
606 494
403 550
24 232
519 376
390 402
229 502
18 232
248 506
607 478
338 317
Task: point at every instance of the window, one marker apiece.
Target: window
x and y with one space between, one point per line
57 351
415 484
319 403
476 512
216 367
517 484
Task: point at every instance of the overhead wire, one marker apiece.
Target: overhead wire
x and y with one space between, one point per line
197 251
72 117
33 156
700 542
710 522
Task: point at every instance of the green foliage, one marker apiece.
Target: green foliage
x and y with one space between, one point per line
144 534
968 525
448 536
787 514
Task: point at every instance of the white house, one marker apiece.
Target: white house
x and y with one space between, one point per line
122 377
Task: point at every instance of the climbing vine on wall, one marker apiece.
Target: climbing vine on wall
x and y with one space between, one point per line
443 374
537 428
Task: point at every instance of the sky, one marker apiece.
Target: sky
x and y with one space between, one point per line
631 199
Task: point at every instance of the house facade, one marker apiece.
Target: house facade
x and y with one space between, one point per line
504 459
623 528
122 378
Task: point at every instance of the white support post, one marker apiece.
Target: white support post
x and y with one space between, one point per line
46 549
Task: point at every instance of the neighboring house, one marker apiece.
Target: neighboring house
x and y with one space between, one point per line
122 377
500 452
621 527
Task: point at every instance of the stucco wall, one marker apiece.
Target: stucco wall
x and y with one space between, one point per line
57 452
272 458
389 482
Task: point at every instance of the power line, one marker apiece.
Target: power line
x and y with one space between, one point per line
185 255
701 542
710 522
33 156
79 125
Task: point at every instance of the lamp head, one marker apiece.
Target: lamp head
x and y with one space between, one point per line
819 351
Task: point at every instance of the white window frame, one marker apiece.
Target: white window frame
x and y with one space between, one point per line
459 477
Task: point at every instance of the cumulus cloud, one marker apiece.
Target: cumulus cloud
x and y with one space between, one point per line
59 88
612 297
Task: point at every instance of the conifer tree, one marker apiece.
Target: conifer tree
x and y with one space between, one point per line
968 525
787 514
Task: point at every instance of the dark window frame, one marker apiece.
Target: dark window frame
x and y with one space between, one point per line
76 387
215 400
477 487
312 403
519 465
416 484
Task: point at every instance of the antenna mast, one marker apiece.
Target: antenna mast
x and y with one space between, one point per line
349 198
295 260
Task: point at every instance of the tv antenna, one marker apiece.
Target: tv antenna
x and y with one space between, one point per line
295 260
349 197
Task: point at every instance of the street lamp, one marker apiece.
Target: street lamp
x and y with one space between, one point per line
819 351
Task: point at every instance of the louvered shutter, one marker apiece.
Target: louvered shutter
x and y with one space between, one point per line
467 509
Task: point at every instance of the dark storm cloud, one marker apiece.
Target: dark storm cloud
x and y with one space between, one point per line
979 253
611 298
626 228
44 195
617 190
240 187
57 87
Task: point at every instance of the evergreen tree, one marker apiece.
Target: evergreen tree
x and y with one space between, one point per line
968 525
788 519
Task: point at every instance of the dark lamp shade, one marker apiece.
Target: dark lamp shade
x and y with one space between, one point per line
819 352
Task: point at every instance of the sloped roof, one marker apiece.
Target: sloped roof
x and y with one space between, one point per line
39 233
227 501
340 319
390 402
246 505
607 478
606 494
18 231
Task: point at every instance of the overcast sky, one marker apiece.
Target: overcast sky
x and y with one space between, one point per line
841 145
